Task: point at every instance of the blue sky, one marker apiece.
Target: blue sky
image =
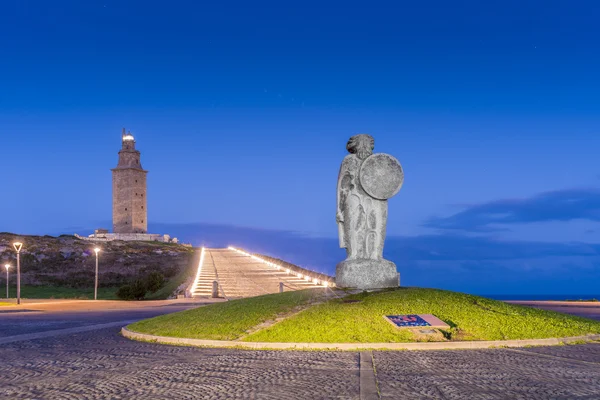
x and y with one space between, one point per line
242 111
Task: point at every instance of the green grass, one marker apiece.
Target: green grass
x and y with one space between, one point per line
225 321
470 318
49 292
335 321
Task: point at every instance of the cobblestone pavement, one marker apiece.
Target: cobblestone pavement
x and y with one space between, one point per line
104 365
101 364
557 372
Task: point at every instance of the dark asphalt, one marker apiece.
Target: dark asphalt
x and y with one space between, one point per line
16 323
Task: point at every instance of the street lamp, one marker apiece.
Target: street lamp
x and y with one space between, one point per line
97 250
7 266
18 246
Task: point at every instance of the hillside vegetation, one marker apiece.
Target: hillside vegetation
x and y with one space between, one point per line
69 262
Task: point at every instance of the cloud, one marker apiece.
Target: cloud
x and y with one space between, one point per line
563 205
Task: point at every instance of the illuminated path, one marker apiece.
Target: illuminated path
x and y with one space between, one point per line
242 275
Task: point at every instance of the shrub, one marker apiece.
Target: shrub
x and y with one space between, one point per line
135 291
138 289
154 281
124 292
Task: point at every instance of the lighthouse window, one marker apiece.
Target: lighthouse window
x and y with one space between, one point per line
125 209
136 181
142 207
142 221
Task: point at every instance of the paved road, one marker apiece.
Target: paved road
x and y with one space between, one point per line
100 364
53 316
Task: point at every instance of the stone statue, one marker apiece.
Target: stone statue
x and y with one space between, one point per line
365 183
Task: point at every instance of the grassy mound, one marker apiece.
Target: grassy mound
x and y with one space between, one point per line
338 321
226 321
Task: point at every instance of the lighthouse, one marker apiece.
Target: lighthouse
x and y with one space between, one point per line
130 214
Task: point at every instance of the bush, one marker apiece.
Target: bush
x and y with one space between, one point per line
135 291
138 289
154 281
124 293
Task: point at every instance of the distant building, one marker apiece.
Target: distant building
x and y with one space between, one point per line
130 213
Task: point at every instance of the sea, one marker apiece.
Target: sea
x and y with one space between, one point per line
531 297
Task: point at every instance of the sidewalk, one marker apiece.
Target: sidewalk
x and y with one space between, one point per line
586 309
65 305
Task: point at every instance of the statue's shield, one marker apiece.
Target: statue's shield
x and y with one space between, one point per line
381 176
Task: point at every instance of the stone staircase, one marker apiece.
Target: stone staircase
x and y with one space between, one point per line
240 275
208 275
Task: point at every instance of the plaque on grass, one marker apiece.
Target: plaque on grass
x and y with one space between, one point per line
416 321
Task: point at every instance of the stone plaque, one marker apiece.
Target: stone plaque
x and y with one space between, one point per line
416 321
407 321
381 176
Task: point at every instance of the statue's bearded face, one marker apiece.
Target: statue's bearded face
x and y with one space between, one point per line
361 145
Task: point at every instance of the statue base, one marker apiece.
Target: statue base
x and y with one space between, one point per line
367 274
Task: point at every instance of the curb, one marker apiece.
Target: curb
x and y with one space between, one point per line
354 346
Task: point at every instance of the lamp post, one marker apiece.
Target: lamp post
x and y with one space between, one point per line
97 250
7 266
18 246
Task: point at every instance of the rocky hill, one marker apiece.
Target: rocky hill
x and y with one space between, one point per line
70 262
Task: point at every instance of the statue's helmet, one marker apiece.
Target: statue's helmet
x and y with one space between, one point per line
362 145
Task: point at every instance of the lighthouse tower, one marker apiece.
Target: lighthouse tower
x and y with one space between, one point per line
130 214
